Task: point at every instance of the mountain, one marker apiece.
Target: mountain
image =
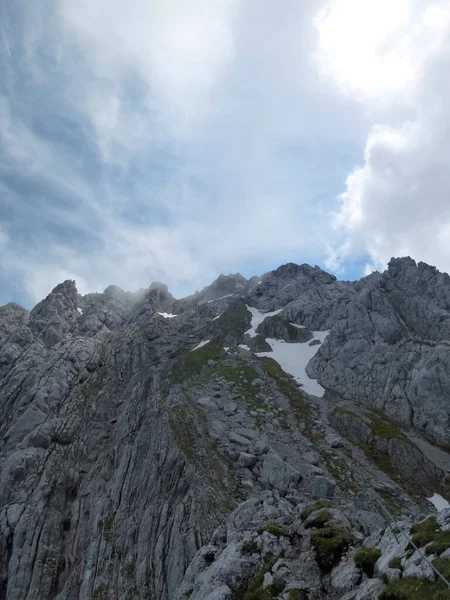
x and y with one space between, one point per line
162 448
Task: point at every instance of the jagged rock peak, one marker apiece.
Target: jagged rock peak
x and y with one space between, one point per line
113 290
400 263
64 296
159 292
224 285
224 279
293 270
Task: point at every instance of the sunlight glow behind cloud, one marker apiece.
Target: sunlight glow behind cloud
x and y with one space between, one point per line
397 202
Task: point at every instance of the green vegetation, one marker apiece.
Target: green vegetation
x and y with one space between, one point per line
191 364
390 501
424 532
330 543
249 547
241 373
381 460
296 399
233 323
342 470
313 507
420 588
365 559
259 344
395 563
131 593
384 428
275 327
415 589
100 592
188 425
256 591
273 529
320 520
106 527
440 543
443 566
343 411
92 387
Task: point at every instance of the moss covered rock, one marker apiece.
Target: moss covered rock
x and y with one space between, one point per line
330 543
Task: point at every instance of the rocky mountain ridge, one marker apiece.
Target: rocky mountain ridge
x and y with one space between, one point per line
146 439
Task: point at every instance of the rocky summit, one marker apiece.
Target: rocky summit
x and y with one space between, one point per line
283 437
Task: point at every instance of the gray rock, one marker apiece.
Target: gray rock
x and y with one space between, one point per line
230 408
116 467
322 487
247 460
206 402
257 383
277 473
345 576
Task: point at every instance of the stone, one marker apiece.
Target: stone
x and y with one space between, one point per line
323 487
268 580
335 441
260 447
345 576
230 408
257 382
206 402
116 465
277 473
238 439
246 460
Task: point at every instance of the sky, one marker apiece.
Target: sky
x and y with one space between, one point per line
174 140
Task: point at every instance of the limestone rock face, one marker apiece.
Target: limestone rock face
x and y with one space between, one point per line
390 348
146 451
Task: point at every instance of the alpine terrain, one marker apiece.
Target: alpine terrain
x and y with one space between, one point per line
283 437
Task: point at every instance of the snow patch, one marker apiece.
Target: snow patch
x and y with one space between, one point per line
259 282
226 348
293 359
298 326
167 315
221 298
215 318
244 346
80 311
200 345
439 502
258 317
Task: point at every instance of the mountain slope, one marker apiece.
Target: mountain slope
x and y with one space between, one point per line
123 449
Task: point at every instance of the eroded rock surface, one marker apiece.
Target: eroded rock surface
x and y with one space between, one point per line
133 466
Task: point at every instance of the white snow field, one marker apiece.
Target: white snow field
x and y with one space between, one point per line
439 502
258 317
293 359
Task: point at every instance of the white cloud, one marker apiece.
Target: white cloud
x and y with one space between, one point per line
376 50
212 130
397 202
178 48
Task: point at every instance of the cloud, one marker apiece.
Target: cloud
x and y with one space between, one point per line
169 142
397 202
179 49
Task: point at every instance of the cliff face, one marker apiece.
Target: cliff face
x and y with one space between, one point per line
133 425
